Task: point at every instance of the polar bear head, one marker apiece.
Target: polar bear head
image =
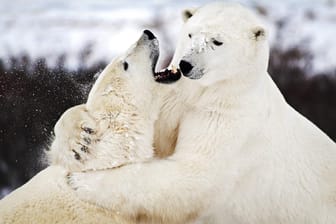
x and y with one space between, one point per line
127 81
220 41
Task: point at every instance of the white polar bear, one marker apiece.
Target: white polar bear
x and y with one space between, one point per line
118 118
242 154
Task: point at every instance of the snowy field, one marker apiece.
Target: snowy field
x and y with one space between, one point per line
87 31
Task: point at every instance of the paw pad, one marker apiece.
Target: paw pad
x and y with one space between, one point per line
84 148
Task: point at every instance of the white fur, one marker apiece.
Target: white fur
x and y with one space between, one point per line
120 113
242 154
47 198
119 116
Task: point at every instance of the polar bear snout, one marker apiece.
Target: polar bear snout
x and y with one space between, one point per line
185 67
149 40
190 69
154 47
149 34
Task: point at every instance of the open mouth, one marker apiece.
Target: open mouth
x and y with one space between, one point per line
167 76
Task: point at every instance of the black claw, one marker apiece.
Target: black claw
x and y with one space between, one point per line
69 181
87 141
68 178
88 130
77 156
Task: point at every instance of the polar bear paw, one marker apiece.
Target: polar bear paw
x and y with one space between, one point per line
85 185
76 134
72 179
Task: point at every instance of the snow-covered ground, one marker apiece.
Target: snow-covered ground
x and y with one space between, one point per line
86 31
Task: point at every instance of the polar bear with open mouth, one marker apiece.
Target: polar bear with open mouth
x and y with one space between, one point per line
118 119
116 125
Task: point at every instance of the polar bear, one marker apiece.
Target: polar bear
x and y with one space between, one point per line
242 154
118 118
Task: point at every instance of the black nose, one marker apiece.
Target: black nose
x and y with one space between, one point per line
185 67
149 34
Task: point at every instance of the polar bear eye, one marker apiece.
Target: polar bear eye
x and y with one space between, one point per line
217 43
125 64
189 35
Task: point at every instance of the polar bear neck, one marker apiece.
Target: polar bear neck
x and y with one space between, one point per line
129 131
236 93
126 140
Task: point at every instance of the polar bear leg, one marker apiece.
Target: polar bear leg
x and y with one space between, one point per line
163 189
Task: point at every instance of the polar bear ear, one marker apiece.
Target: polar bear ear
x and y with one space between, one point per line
188 13
259 33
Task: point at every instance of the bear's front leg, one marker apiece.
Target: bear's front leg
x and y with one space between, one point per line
161 191
76 134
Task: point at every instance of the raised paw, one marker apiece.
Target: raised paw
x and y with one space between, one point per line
76 134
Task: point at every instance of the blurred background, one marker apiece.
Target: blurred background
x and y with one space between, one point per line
51 50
